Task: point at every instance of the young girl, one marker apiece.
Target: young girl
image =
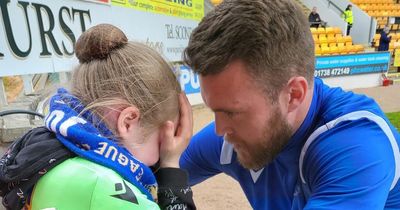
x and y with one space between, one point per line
123 113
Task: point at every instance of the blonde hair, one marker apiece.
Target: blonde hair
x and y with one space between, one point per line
115 72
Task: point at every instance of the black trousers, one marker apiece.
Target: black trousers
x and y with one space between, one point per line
348 29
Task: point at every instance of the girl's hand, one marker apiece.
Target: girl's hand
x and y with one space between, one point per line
173 143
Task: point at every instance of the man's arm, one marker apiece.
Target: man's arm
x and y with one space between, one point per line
350 167
201 158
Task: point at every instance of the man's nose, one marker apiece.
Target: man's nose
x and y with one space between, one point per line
222 125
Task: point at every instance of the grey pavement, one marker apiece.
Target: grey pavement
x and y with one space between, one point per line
387 97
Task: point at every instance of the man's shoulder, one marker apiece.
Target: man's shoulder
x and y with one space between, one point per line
334 102
354 136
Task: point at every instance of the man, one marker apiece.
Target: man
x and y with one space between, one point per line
314 18
385 39
289 140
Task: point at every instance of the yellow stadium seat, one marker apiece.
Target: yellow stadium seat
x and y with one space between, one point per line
359 48
345 49
329 30
337 30
321 30
391 46
313 31
397 45
331 40
348 39
332 44
340 44
377 36
330 36
323 40
340 39
334 50
318 51
324 45
351 49
325 50
371 13
363 6
342 49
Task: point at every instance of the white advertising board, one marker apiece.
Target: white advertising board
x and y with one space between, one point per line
37 36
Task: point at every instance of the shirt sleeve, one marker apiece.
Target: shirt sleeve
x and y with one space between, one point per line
173 189
201 158
350 167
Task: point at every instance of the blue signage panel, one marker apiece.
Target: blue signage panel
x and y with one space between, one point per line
189 80
342 65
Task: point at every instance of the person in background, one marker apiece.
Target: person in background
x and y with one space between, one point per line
314 18
385 39
348 17
291 141
112 141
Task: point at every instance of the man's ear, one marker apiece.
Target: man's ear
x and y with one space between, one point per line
128 120
297 89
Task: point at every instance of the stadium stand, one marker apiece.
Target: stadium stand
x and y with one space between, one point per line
330 41
382 10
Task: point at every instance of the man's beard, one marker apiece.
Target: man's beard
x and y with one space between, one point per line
257 153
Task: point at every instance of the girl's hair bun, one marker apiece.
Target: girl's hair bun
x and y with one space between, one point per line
98 42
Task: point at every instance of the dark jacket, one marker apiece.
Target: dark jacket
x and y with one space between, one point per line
384 42
38 151
314 19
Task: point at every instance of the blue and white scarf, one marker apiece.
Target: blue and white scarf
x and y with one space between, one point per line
84 134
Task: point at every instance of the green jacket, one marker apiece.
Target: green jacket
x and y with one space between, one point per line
348 16
78 184
54 178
